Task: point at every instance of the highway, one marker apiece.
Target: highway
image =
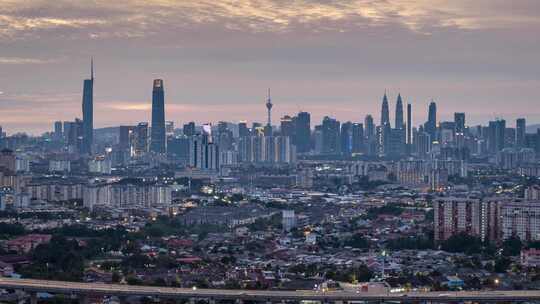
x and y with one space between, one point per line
95 289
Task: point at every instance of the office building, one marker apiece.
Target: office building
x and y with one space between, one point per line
459 129
431 125
521 129
346 138
303 132
330 135
243 129
125 137
204 154
287 126
369 127
140 145
74 135
409 124
496 135
357 138
157 138
88 112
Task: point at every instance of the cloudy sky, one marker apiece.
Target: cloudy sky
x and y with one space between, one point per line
218 58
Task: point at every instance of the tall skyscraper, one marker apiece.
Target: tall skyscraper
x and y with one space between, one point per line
330 135
370 127
243 130
459 129
303 132
421 143
385 115
357 138
431 124
409 124
74 134
88 112
141 139
157 139
287 127
521 126
346 138
399 113
203 154
459 122
496 130
124 140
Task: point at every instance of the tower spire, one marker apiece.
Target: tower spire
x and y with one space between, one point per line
92 68
269 108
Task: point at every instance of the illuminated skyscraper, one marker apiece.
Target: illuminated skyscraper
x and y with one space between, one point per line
88 112
141 139
157 139
459 129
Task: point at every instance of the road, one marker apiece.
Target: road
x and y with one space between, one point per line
260 295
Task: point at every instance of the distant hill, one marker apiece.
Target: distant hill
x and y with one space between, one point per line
533 128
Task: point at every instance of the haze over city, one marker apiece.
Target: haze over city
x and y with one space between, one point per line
269 151
217 59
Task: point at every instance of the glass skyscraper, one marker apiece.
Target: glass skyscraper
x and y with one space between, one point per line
157 139
88 112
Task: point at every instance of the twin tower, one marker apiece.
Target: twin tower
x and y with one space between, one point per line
157 140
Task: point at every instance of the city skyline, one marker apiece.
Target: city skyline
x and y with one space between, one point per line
157 109
243 151
321 57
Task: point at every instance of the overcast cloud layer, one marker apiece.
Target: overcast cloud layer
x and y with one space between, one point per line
218 57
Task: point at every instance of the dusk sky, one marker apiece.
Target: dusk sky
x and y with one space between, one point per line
218 58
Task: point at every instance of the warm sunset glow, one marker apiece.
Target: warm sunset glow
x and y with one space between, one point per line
219 56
